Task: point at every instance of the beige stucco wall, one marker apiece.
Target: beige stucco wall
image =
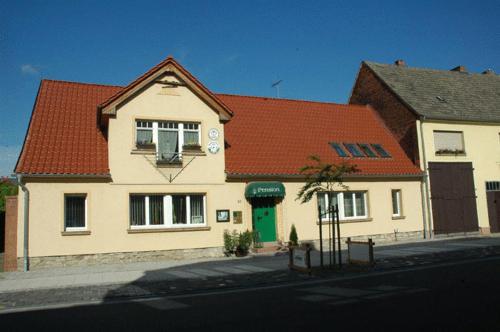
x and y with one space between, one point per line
379 200
482 148
108 219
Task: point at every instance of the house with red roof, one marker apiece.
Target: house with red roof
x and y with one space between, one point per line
163 166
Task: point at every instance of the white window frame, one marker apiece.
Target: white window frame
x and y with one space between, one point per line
398 202
340 202
180 130
168 211
76 229
138 126
186 129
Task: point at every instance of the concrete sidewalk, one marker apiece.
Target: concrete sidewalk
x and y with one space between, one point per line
202 269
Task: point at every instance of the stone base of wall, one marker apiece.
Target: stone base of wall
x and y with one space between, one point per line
36 263
377 238
460 234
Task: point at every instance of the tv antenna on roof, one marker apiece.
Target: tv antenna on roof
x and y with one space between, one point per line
277 86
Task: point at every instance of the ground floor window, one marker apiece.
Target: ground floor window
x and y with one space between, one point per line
352 205
75 212
396 202
161 210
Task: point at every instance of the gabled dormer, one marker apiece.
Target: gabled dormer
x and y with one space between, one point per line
165 127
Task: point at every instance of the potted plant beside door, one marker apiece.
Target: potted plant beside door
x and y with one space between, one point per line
245 240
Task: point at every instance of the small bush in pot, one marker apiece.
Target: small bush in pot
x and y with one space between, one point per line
245 240
294 239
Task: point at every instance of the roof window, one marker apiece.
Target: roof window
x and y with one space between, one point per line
353 149
340 151
367 150
380 150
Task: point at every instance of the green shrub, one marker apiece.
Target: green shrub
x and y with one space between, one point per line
245 240
230 241
294 239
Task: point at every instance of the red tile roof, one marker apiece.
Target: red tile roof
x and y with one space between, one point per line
265 135
276 136
63 136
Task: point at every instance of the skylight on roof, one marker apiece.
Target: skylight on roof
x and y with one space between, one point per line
340 151
380 150
353 149
367 150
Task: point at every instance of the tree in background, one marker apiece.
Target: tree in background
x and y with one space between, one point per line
294 238
7 188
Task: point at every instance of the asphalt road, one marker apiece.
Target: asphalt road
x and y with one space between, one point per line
458 296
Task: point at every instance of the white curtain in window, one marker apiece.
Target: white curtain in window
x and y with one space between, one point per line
348 205
190 137
167 144
144 136
197 209
360 204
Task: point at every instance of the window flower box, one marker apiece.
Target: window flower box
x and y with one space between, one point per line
449 152
191 147
145 145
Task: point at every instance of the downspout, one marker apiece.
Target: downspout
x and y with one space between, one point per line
426 180
26 224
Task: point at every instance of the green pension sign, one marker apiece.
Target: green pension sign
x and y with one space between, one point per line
265 189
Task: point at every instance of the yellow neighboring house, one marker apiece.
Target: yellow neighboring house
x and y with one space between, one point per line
448 123
161 167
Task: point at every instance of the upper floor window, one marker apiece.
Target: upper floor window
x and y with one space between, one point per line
449 142
144 132
168 138
75 212
351 205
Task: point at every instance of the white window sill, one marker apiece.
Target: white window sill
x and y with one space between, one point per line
395 217
149 229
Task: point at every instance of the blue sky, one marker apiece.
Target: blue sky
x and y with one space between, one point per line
238 47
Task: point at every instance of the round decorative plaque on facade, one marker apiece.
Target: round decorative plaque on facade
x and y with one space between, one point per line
213 147
213 134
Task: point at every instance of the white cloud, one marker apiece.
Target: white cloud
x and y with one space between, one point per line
29 69
8 159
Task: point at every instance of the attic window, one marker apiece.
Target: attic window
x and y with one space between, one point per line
381 151
441 99
353 149
367 150
340 151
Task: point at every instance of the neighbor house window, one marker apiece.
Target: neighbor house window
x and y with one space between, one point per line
396 202
449 142
75 212
167 138
160 210
352 205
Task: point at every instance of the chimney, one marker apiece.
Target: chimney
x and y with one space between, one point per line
488 72
460 69
400 63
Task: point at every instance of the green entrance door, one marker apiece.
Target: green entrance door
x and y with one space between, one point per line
264 218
